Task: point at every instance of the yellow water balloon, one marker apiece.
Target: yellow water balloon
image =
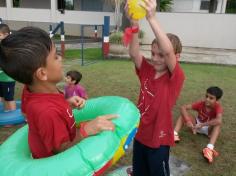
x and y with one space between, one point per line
136 10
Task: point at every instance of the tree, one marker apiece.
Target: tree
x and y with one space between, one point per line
165 5
231 6
16 3
118 5
213 6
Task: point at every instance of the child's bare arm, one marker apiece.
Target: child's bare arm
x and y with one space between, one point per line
164 43
134 48
184 112
92 127
213 122
69 144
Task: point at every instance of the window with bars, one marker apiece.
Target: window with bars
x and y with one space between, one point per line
204 5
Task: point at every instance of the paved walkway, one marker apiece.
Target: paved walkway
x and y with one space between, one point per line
203 55
189 54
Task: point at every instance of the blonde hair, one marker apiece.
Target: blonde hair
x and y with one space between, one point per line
175 41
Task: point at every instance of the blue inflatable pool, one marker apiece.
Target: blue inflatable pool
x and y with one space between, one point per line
11 117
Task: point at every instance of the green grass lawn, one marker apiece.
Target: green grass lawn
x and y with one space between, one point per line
117 77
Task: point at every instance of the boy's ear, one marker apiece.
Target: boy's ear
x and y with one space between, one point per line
177 57
41 74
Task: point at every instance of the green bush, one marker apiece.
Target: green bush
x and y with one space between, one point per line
141 34
116 37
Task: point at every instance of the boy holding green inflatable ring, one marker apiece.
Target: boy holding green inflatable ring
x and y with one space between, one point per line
29 56
161 80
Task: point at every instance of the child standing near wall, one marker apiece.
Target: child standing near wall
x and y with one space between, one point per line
7 84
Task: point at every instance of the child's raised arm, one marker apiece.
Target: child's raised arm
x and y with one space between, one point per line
164 43
134 48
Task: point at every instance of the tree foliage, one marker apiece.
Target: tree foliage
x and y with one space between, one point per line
165 5
231 6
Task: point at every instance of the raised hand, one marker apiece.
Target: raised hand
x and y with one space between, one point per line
129 15
150 6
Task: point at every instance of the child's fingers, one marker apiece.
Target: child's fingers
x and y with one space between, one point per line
110 127
81 103
109 116
126 5
143 4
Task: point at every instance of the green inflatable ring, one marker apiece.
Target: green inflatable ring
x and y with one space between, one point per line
4 77
85 158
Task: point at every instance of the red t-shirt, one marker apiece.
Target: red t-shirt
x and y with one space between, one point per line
50 121
156 100
203 114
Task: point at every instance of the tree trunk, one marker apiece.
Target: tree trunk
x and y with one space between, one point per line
213 6
158 5
125 21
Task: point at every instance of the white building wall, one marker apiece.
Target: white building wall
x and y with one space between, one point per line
40 4
183 6
194 29
197 30
194 6
54 16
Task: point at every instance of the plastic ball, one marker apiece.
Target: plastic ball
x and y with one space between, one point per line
136 10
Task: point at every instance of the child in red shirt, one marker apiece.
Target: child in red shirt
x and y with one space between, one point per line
161 80
29 56
208 120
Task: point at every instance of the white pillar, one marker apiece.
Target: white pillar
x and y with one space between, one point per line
196 6
9 3
53 11
223 7
9 6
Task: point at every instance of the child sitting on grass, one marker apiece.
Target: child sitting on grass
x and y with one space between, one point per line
73 88
7 84
29 56
208 120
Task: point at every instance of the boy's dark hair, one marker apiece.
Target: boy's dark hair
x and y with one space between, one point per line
23 52
175 41
216 91
4 28
75 76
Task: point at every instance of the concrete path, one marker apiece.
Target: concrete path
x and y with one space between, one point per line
189 54
177 168
203 55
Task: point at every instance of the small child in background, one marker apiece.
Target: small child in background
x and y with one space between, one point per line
73 88
7 84
208 120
